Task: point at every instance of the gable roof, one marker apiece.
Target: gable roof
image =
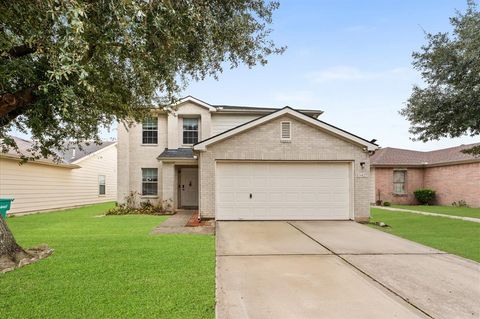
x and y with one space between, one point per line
286 111
194 100
234 109
390 156
68 158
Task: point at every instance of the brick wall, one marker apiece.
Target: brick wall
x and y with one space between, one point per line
384 185
454 183
451 183
263 143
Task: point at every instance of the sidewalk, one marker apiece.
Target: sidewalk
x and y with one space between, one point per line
469 219
176 224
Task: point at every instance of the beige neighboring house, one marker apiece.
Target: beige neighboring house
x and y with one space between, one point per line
246 163
86 176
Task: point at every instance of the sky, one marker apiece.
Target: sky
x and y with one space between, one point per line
349 58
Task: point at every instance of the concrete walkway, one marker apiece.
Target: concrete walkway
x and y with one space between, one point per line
175 224
310 269
393 209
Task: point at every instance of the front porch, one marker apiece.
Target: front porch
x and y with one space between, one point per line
180 178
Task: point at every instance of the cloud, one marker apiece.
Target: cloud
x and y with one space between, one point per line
339 73
349 73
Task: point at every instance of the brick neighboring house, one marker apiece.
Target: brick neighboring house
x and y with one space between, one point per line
397 173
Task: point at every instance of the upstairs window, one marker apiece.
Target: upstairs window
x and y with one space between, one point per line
150 130
149 181
101 185
286 131
190 131
399 181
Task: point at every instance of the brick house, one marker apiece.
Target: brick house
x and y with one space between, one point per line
245 163
397 173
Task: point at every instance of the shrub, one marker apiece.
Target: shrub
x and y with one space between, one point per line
145 208
387 204
424 196
460 203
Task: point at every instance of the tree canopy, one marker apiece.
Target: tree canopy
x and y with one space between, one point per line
70 67
449 104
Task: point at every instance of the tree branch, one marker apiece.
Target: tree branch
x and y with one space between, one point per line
19 51
14 104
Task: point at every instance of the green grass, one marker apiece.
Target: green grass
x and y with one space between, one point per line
447 210
108 267
451 235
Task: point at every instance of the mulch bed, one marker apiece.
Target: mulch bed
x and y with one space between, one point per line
195 222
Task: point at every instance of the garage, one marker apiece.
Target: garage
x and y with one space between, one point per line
283 190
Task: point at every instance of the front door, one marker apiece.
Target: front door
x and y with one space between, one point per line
189 187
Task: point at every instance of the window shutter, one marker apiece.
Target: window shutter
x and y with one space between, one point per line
286 130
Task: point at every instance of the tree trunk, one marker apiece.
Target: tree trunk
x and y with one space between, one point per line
8 246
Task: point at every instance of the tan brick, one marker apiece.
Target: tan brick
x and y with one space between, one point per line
263 143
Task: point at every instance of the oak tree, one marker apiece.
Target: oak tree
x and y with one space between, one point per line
449 104
70 67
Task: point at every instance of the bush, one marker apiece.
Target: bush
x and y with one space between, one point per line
387 204
424 196
145 208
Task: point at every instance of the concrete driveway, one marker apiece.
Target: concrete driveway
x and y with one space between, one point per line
323 269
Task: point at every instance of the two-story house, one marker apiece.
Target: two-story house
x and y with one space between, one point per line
246 163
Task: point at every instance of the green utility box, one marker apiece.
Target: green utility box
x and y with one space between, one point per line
5 204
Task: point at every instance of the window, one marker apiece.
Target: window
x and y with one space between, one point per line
399 178
150 130
149 181
101 185
190 131
285 131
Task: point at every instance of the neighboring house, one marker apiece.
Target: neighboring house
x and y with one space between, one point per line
246 163
82 177
397 173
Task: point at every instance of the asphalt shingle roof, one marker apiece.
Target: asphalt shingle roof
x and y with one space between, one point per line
177 153
398 156
68 156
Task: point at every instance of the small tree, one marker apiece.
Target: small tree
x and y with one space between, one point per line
425 196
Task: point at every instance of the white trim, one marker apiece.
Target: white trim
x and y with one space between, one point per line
352 190
202 146
195 101
94 153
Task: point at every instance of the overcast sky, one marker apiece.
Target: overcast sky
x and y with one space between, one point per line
349 58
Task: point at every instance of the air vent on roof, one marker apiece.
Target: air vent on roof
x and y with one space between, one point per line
285 131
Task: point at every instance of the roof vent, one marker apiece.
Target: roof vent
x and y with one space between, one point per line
73 153
285 131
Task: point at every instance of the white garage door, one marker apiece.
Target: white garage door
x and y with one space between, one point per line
282 190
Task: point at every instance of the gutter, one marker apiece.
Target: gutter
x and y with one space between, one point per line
427 165
39 161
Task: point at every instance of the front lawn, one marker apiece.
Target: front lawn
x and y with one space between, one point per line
447 210
109 267
450 235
